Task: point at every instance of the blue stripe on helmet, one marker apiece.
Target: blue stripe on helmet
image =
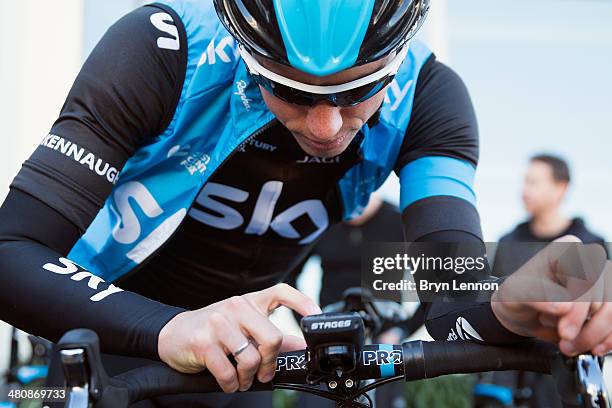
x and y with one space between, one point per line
437 176
323 37
388 369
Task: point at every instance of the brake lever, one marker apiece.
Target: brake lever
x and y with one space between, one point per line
77 378
85 376
591 382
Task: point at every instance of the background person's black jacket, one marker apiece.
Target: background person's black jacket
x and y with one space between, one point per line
509 256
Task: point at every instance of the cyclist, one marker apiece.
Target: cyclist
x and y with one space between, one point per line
231 168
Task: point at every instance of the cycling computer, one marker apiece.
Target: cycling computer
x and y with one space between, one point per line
335 342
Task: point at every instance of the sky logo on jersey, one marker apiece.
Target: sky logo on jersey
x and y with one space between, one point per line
131 198
395 95
219 51
81 156
214 211
163 22
68 267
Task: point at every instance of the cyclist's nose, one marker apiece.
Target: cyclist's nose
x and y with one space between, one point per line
324 122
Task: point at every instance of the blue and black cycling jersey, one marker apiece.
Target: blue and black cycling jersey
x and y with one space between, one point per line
95 231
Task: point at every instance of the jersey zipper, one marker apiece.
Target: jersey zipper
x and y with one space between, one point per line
229 156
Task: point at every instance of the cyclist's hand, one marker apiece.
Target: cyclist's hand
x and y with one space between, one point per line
561 295
202 339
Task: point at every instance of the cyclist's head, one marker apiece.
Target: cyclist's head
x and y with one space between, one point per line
546 183
323 65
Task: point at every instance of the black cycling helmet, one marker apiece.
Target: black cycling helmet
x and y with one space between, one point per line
322 37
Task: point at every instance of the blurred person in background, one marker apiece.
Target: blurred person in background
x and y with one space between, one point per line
340 251
545 187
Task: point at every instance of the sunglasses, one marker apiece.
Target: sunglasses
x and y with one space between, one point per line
343 95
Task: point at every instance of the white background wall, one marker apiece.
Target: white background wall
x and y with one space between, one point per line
40 46
40 54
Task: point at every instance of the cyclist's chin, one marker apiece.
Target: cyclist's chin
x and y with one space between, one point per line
327 149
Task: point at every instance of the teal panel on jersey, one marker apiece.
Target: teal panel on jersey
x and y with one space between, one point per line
436 176
323 37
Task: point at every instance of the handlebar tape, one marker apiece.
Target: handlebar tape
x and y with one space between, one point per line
421 360
159 379
432 359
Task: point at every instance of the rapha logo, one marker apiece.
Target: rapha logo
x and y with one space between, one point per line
240 87
395 94
68 267
465 331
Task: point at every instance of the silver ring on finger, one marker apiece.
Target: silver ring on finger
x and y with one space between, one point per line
242 347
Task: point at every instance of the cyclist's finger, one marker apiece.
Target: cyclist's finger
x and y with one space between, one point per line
246 355
269 341
556 249
232 336
248 363
282 294
545 333
604 348
220 367
292 343
552 308
594 332
548 321
571 323
537 291
267 369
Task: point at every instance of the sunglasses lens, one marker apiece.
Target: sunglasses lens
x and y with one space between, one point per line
343 99
363 93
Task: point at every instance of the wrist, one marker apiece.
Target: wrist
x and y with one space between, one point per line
167 336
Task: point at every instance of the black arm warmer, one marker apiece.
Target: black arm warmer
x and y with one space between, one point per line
48 301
